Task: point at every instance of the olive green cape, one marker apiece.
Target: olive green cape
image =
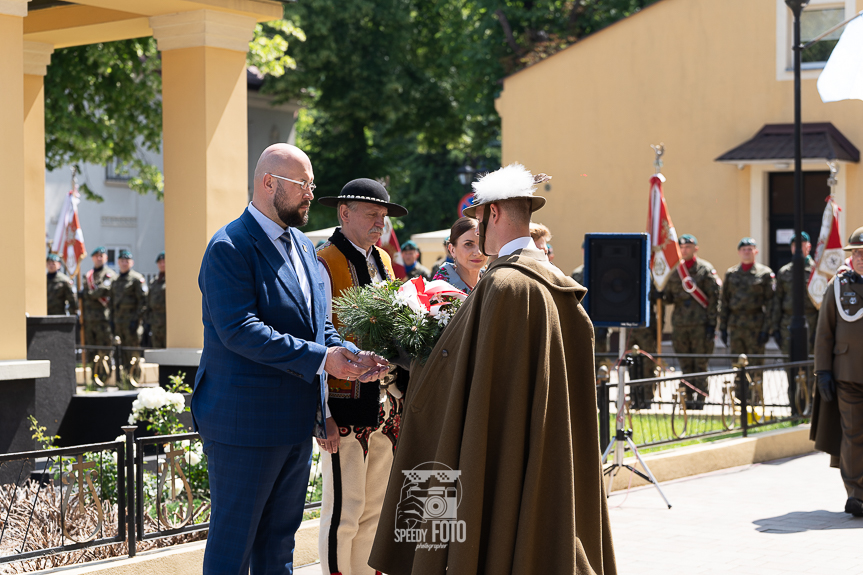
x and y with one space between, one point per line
508 398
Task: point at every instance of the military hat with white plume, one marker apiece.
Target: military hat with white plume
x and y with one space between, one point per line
508 183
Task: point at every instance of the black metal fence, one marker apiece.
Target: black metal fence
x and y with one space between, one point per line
62 499
130 490
679 407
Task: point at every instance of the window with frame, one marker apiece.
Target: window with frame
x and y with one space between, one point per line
815 21
117 172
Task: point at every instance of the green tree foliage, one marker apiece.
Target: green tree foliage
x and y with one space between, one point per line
103 102
404 89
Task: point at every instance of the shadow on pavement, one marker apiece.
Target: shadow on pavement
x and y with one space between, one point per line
801 521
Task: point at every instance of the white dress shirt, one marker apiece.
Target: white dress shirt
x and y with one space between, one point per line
516 244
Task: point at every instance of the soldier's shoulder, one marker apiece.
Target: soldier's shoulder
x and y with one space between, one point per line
705 266
732 270
786 271
63 278
763 270
109 273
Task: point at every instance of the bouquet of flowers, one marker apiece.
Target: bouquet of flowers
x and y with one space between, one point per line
393 316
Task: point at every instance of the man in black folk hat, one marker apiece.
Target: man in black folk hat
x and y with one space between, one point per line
837 421
362 418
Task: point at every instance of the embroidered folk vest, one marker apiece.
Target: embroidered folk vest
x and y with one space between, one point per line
351 402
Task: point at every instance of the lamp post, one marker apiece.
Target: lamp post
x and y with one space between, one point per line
465 175
799 349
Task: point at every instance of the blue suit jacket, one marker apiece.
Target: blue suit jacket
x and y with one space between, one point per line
257 383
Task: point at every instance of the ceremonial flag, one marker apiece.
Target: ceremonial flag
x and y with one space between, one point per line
68 237
842 76
664 250
828 253
390 243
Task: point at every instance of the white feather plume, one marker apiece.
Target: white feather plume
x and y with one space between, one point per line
512 181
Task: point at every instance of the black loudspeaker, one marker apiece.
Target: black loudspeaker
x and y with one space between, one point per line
617 278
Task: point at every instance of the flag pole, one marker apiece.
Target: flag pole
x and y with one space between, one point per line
658 151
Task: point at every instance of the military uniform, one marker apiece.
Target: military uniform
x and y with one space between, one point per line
128 303
96 306
837 425
156 311
61 293
747 300
96 315
601 335
783 307
694 325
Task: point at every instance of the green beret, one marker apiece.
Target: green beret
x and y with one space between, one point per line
747 242
99 250
159 257
410 245
125 255
53 258
803 235
687 239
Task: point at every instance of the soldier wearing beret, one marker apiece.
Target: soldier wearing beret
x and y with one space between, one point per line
96 311
128 303
747 300
61 292
837 422
156 305
694 293
411 258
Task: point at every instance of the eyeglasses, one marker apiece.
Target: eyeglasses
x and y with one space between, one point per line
303 184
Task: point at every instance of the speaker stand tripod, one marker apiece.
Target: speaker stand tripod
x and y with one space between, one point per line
623 436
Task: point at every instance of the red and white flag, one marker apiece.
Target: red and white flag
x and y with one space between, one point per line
68 237
664 250
828 253
390 243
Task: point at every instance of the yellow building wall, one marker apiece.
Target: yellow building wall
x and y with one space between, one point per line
699 76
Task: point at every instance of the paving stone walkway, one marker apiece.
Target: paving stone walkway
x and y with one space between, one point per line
782 517
779 517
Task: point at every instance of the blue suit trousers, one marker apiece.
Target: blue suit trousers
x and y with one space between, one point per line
257 496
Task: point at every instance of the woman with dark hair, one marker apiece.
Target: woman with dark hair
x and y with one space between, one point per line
468 261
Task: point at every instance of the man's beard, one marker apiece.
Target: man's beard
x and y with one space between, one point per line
290 215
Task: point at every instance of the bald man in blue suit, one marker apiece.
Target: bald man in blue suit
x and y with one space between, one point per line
259 390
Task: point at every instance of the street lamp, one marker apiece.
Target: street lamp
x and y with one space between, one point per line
799 348
465 175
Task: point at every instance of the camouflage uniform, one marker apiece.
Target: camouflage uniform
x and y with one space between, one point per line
783 307
60 293
694 326
602 335
128 304
747 300
156 311
96 313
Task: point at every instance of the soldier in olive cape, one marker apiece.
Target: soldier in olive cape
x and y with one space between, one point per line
96 310
61 291
693 290
156 306
505 405
747 300
783 305
837 422
128 303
